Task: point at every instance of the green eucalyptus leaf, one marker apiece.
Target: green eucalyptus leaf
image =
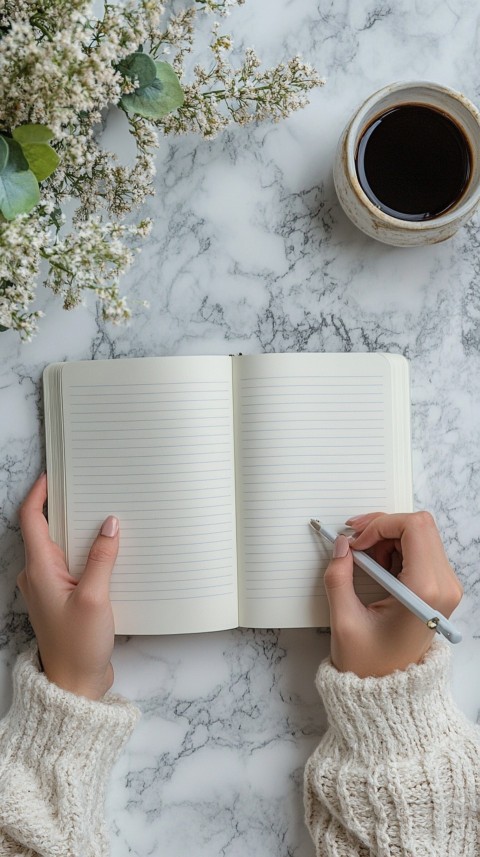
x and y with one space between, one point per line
26 134
19 191
157 99
2 328
171 84
139 66
17 161
42 159
3 153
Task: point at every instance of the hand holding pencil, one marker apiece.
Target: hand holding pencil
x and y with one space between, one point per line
386 636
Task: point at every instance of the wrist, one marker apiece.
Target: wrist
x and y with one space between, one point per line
90 689
380 660
93 686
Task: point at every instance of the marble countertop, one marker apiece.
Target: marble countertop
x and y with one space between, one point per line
251 252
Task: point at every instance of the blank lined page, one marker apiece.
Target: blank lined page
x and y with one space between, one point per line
151 441
314 439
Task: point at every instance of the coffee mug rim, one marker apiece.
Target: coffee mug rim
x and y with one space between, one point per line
456 212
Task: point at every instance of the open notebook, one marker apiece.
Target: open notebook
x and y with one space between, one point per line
214 466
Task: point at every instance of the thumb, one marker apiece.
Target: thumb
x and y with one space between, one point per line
101 559
338 581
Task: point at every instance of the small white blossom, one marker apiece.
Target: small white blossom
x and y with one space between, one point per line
60 67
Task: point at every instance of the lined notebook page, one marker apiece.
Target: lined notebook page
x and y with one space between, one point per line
314 438
151 441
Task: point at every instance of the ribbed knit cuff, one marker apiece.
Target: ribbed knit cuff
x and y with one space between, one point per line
402 713
66 745
44 715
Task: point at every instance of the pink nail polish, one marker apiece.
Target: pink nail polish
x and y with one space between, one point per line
110 527
340 547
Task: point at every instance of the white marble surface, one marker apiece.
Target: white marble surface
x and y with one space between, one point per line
251 252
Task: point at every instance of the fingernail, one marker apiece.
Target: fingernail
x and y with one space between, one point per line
110 527
340 547
355 520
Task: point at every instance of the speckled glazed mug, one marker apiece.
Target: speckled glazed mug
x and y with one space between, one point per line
354 201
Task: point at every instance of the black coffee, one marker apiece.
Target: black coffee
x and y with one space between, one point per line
413 162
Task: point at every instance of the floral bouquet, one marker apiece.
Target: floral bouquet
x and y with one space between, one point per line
61 69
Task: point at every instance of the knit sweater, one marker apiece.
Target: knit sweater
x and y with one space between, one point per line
398 770
56 753
397 774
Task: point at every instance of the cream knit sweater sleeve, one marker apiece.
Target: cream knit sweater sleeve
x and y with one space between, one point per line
398 770
56 752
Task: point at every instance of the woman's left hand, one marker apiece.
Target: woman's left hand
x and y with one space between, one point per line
72 619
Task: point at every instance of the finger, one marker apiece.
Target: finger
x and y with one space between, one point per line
382 553
417 525
33 522
425 567
417 537
101 559
359 522
338 582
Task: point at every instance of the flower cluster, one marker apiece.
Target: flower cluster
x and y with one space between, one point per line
60 70
220 95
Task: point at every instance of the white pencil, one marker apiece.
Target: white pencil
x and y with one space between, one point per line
435 620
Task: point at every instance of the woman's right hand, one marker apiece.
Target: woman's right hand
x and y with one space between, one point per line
377 639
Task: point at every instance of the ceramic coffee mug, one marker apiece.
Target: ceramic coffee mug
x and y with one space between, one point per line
360 208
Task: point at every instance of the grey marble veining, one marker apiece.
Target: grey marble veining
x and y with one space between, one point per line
251 252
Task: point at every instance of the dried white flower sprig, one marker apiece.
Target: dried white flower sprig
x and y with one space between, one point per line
60 69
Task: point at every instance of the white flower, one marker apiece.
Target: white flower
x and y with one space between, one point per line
59 67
